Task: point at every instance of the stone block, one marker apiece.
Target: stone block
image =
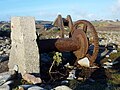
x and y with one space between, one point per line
24 51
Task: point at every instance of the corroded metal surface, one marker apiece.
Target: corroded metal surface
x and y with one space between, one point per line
94 41
83 42
78 42
62 44
62 22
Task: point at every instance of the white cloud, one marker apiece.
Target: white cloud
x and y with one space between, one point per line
116 7
115 10
83 14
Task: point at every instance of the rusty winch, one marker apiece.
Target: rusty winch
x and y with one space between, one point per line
82 38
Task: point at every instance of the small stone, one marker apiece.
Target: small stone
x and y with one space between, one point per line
114 51
104 53
24 87
7 41
8 46
84 62
66 36
4 58
3 45
8 82
108 63
1 48
58 36
1 38
95 67
63 87
107 56
32 79
36 88
1 52
115 62
109 60
16 68
4 77
68 66
65 82
71 75
107 66
7 51
80 78
5 87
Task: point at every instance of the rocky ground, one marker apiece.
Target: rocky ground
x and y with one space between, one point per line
4 53
104 77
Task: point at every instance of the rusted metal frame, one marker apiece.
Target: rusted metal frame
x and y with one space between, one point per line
95 38
70 24
77 43
61 25
61 44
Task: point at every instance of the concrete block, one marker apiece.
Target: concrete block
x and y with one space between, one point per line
24 51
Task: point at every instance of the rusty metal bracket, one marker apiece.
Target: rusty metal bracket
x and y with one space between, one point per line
62 22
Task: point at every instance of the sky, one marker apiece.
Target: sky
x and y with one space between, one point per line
49 9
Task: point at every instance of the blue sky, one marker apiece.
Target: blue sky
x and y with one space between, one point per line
49 9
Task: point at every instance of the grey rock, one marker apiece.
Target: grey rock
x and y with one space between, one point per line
7 41
5 87
64 82
2 41
31 78
9 82
109 60
63 87
7 51
1 38
22 87
36 88
108 63
16 68
71 75
114 51
1 52
3 45
107 66
104 53
4 58
8 46
1 48
115 62
107 56
4 77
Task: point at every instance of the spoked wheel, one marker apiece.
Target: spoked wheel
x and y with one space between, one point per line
89 30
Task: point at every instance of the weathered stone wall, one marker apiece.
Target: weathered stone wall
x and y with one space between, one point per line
109 37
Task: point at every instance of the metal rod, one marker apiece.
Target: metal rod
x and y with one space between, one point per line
62 45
